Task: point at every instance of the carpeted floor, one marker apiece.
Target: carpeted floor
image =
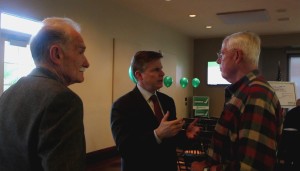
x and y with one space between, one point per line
112 164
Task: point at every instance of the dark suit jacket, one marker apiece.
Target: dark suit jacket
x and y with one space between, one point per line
132 124
291 139
41 126
292 118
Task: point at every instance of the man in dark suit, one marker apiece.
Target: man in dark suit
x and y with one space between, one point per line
144 141
292 117
289 148
41 119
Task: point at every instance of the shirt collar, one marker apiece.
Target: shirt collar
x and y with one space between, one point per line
146 94
44 72
244 81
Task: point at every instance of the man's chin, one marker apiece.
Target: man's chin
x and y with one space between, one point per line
80 80
159 86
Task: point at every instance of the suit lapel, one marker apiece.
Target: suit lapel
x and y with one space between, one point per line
143 105
162 103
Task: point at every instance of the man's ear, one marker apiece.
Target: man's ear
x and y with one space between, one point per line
138 75
239 56
55 54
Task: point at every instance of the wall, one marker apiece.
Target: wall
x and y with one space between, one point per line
112 35
274 49
205 50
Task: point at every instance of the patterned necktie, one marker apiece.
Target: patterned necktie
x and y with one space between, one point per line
157 111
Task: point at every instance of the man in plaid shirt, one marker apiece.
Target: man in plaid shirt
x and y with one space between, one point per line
248 131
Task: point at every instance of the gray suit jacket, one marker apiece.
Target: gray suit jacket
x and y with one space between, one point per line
41 125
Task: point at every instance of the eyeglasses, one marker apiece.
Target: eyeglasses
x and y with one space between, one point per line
220 55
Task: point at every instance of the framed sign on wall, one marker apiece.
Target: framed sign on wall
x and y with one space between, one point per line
285 92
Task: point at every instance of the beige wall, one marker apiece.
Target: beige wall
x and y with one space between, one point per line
274 49
112 35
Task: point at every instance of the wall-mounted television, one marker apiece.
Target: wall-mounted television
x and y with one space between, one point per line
214 76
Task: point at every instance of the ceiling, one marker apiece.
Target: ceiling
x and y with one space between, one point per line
278 17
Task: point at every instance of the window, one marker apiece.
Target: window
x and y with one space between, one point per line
19 24
16 60
17 63
294 72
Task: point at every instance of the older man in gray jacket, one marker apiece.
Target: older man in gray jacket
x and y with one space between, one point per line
41 119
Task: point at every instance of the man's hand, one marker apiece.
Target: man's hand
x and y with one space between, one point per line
167 128
193 130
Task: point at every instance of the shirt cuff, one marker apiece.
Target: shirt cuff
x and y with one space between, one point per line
156 137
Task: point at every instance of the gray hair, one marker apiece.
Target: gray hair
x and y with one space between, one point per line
54 30
248 42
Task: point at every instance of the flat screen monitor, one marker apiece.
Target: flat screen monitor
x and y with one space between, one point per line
214 76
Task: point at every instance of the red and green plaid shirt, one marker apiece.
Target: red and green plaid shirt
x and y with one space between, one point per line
249 128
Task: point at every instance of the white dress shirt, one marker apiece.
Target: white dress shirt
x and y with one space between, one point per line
146 94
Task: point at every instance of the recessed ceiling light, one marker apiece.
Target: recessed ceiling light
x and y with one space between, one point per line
168 0
192 15
208 27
